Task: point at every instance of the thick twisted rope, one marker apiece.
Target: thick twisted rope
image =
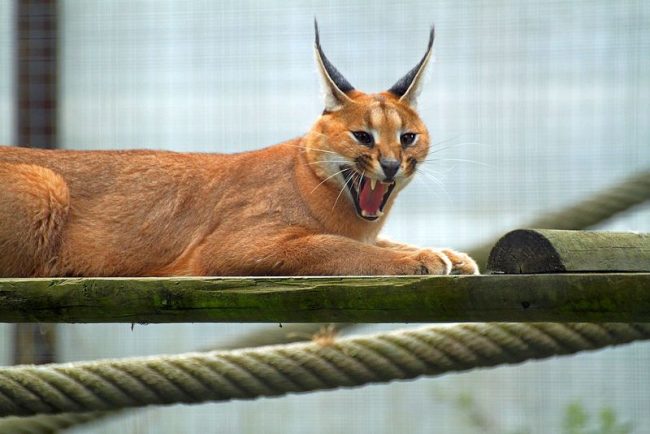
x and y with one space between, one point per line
282 369
603 205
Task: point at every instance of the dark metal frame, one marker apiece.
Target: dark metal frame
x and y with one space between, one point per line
36 64
36 68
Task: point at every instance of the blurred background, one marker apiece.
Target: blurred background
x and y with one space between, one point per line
532 106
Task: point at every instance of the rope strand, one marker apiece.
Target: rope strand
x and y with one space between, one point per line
298 367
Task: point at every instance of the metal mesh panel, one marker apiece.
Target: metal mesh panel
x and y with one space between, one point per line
533 105
6 126
6 73
543 104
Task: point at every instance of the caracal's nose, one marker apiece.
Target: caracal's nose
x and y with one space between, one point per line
390 167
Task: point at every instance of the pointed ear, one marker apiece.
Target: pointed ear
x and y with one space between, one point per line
335 86
408 87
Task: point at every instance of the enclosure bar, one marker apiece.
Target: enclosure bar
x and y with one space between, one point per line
36 72
585 297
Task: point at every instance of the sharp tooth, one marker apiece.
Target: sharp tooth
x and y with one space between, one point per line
367 214
373 183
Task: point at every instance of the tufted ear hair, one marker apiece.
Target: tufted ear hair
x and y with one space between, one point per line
335 86
408 87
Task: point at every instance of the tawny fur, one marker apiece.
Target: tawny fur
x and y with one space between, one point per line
276 211
148 213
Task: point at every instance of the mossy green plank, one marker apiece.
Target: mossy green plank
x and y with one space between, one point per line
621 297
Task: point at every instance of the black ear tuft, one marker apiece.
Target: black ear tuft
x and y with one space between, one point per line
406 83
337 78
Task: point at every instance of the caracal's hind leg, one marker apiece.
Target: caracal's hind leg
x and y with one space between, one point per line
34 204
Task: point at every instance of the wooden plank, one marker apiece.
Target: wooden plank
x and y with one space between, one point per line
555 251
586 297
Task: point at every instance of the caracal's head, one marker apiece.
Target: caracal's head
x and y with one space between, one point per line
369 145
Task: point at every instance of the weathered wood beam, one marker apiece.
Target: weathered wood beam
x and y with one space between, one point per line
555 251
585 297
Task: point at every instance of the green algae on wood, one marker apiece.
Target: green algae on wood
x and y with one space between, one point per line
586 297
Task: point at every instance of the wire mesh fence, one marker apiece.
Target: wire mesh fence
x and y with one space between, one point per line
531 106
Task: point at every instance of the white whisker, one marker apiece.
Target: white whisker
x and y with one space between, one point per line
327 161
435 151
434 171
433 145
461 160
343 188
316 149
317 134
329 177
435 180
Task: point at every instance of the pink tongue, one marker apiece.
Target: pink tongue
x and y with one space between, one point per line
370 200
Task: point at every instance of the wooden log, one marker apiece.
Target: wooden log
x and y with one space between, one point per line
623 297
554 251
584 214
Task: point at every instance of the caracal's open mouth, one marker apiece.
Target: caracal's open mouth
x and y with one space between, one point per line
369 195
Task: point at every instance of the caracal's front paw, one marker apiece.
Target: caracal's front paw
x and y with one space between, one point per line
461 263
425 261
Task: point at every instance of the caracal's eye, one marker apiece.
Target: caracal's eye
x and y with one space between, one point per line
364 138
407 139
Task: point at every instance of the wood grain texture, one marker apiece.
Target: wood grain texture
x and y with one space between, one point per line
580 297
556 251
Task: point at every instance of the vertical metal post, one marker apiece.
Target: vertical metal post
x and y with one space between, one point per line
36 24
34 344
36 72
